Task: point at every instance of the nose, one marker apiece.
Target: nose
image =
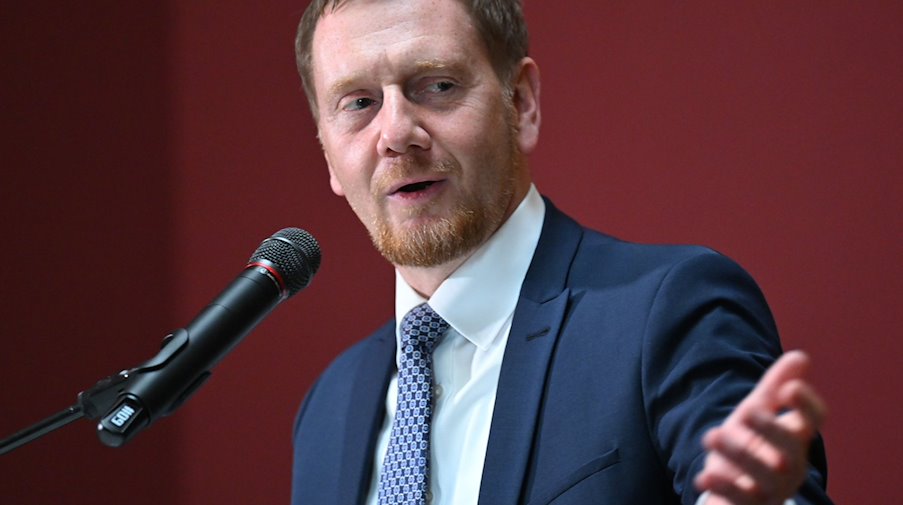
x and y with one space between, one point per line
401 126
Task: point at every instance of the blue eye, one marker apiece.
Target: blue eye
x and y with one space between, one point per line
359 104
443 86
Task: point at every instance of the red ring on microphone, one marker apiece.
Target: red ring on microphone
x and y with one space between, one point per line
283 291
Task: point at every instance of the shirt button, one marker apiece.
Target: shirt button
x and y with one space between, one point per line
437 391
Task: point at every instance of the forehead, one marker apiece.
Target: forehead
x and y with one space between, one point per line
376 35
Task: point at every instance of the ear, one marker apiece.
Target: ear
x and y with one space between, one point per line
526 104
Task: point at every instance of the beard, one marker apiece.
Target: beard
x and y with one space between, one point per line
477 214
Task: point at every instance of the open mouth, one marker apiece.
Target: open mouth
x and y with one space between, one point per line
415 187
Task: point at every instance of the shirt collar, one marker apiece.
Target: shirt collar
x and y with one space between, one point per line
478 298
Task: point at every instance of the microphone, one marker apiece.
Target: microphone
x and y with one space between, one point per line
283 265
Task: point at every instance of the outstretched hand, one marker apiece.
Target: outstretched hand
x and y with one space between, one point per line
758 455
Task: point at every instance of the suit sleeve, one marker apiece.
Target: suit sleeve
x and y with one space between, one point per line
709 338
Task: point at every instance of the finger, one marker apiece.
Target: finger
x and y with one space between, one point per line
765 396
759 436
716 471
785 440
779 442
725 483
800 396
792 365
751 457
762 457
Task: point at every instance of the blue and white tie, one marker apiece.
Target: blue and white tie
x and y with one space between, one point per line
405 475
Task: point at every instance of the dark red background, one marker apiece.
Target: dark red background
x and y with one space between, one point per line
148 148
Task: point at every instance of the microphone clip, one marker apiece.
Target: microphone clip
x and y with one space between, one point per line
121 416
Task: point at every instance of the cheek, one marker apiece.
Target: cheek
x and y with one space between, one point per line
350 184
341 168
335 184
487 149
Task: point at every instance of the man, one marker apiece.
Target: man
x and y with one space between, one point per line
570 367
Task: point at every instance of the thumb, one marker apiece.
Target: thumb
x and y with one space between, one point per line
793 365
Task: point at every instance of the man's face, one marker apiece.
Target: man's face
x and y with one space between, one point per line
418 132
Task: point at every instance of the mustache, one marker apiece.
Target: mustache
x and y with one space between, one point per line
409 167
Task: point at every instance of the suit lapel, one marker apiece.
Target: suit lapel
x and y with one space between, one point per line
367 409
520 392
537 323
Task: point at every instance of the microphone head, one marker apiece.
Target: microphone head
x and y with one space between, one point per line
295 253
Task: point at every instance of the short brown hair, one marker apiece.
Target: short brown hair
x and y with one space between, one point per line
500 23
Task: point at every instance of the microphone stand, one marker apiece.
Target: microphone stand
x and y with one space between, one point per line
92 403
119 421
134 398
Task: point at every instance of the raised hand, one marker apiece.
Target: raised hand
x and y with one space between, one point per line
758 455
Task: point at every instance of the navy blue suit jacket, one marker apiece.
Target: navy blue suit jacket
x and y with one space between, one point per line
620 356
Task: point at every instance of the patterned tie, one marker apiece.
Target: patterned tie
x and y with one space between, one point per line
405 476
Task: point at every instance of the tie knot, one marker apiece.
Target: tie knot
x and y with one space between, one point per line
422 327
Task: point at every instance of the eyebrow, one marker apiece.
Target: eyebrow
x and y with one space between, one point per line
419 67
423 65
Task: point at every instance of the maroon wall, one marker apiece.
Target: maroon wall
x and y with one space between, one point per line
147 150
86 213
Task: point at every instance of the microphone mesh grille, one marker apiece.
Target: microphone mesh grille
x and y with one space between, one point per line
295 253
